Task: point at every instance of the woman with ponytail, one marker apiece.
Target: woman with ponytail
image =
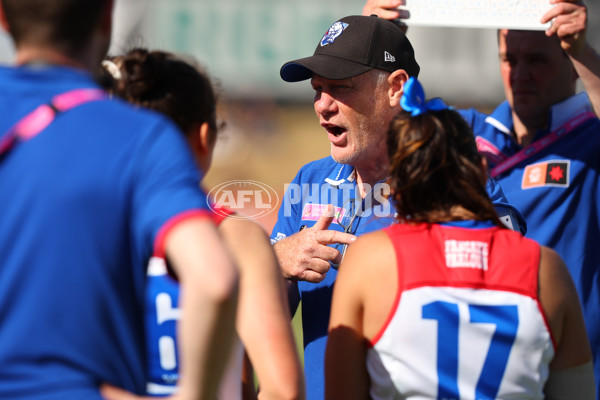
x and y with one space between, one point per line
180 90
447 303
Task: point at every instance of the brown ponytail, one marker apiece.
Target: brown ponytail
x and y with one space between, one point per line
162 82
434 167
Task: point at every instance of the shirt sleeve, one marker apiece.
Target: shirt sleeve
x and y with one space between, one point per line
167 189
290 211
508 213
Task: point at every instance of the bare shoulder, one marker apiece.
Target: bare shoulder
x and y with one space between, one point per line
249 243
245 235
557 291
370 255
371 248
369 270
561 304
242 228
553 274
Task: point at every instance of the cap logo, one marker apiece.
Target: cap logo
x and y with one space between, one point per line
388 57
334 31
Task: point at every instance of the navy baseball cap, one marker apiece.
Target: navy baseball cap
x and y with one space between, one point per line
352 46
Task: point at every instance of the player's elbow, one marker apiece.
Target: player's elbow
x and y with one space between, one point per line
224 287
283 389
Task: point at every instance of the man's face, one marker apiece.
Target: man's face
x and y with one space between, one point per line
356 113
535 73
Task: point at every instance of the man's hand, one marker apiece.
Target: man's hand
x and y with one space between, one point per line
569 22
305 255
388 9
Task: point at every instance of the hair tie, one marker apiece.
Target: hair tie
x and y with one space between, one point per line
413 99
113 69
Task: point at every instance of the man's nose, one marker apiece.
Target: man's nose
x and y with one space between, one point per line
324 103
520 72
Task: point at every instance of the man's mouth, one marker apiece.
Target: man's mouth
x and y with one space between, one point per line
335 130
524 92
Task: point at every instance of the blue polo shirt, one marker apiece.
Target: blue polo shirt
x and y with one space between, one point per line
316 185
557 190
81 206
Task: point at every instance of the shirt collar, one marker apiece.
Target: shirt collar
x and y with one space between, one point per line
563 112
560 113
501 118
341 173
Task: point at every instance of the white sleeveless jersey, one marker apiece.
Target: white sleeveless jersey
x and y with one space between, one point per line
467 323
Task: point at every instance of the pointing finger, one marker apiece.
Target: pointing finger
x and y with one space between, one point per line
325 219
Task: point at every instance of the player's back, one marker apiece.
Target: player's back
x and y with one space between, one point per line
468 323
74 235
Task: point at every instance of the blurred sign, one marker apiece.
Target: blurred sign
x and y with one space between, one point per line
244 42
510 14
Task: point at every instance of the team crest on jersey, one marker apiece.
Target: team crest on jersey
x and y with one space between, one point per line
334 31
547 173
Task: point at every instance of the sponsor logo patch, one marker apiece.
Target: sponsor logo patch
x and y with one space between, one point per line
466 254
312 212
547 173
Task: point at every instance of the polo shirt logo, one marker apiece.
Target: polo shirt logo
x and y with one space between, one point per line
547 173
312 212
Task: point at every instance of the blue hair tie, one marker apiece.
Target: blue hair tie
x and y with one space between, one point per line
413 99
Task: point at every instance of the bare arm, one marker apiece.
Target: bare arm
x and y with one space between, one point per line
208 282
569 24
263 320
364 291
561 304
345 358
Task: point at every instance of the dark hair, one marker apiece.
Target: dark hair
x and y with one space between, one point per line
163 82
435 166
63 24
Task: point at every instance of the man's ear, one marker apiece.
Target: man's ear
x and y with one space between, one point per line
396 82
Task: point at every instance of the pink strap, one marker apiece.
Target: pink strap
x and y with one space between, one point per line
39 119
73 98
541 144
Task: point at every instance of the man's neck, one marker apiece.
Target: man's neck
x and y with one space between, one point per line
366 177
523 133
31 55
